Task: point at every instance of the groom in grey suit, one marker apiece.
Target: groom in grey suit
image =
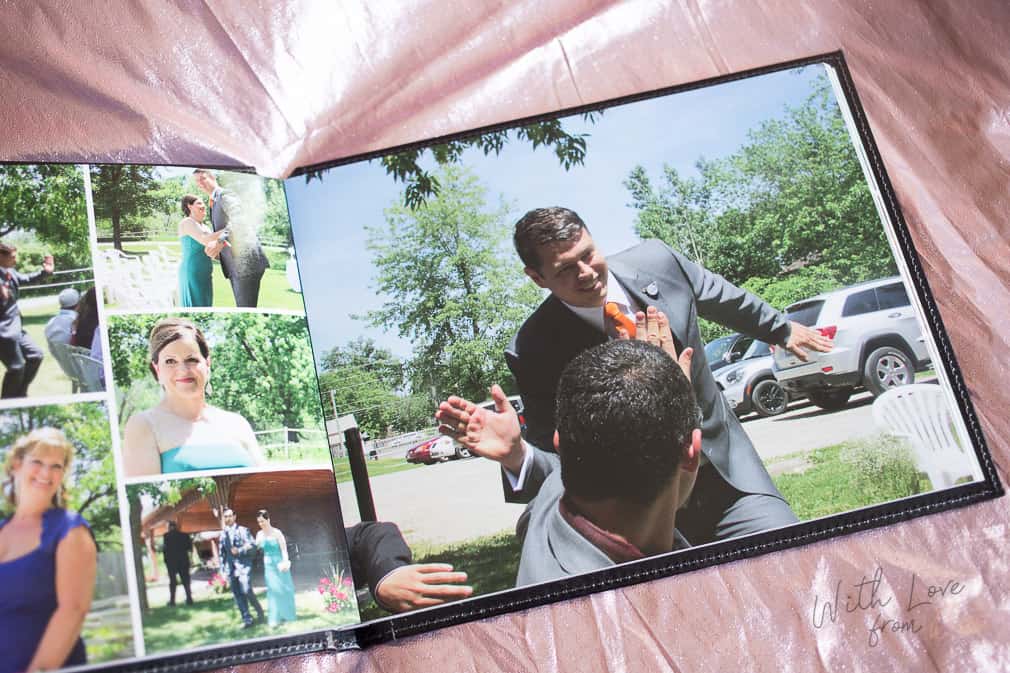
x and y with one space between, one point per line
734 494
243 261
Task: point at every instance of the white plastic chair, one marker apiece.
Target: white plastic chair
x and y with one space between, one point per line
921 413
91 373
61 352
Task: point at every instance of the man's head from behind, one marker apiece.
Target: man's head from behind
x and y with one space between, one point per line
560 255
626 416
205 180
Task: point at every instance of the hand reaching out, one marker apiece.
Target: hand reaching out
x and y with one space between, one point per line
802 337
495 435
47 264
421 585
654 327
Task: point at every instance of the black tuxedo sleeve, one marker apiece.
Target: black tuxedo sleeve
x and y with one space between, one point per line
376 548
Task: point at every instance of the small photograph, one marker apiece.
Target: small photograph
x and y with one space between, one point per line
163 230
213 391
48 313
228 557
62 568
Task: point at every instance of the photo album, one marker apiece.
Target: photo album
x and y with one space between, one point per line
245 418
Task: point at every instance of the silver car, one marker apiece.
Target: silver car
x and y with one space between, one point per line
878 343
750 385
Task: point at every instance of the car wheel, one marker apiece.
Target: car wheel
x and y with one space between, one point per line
830 400
462 452
887 368
768 398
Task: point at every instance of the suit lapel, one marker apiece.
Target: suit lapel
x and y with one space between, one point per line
646 291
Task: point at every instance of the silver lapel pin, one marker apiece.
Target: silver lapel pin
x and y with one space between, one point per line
651 289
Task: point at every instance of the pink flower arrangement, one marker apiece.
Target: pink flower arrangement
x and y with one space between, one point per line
337 594
218 583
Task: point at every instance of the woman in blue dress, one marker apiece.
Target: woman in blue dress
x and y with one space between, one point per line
196 286
48 560
276 571
183 433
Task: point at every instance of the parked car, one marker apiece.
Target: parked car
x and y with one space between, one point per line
433 450
517 403
750 385
878 343
726 350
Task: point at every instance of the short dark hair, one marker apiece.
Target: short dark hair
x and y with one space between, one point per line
7 249
625 411
188 201
262 514
543 226
202 170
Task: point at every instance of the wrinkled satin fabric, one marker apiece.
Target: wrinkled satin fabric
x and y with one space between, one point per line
279 85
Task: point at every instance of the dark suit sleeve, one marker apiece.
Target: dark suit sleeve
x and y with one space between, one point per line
538 404
376 548
28 278
231 209
722 302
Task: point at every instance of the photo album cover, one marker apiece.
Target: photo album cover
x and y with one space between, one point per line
245 418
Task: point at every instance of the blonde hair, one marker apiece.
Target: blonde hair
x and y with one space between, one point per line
50 438
169 330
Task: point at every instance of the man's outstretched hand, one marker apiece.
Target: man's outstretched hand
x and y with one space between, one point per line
421 585
654 327
48 265
492 434
802 338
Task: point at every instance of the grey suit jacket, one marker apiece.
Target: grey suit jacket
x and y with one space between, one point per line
225 212
651 273
552 549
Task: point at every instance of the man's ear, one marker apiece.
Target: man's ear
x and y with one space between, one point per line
557 443
690 459
535 276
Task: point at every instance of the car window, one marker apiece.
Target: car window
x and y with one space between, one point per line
758 349
806 312
861 302
715 349
892 296
741 346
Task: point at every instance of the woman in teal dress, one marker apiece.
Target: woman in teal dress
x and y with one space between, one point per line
196 286
276 571
183 433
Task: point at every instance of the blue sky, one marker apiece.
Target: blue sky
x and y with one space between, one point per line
329 216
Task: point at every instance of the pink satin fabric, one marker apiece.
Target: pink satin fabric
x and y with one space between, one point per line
277 85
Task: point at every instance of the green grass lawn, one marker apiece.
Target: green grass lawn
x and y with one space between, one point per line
490 562
216 620
850 475
342 469
275 291
50 380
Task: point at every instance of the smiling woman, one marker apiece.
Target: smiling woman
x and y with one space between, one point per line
47 560
184 433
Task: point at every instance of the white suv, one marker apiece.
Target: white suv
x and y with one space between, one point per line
878 343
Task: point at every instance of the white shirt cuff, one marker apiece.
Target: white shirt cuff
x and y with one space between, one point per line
517 481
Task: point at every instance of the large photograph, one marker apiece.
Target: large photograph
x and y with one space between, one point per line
594 339
193 237
62 568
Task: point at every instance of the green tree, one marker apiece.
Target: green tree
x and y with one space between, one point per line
123 194
420 185
92 478
451 288
276 225
48 202
794 195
